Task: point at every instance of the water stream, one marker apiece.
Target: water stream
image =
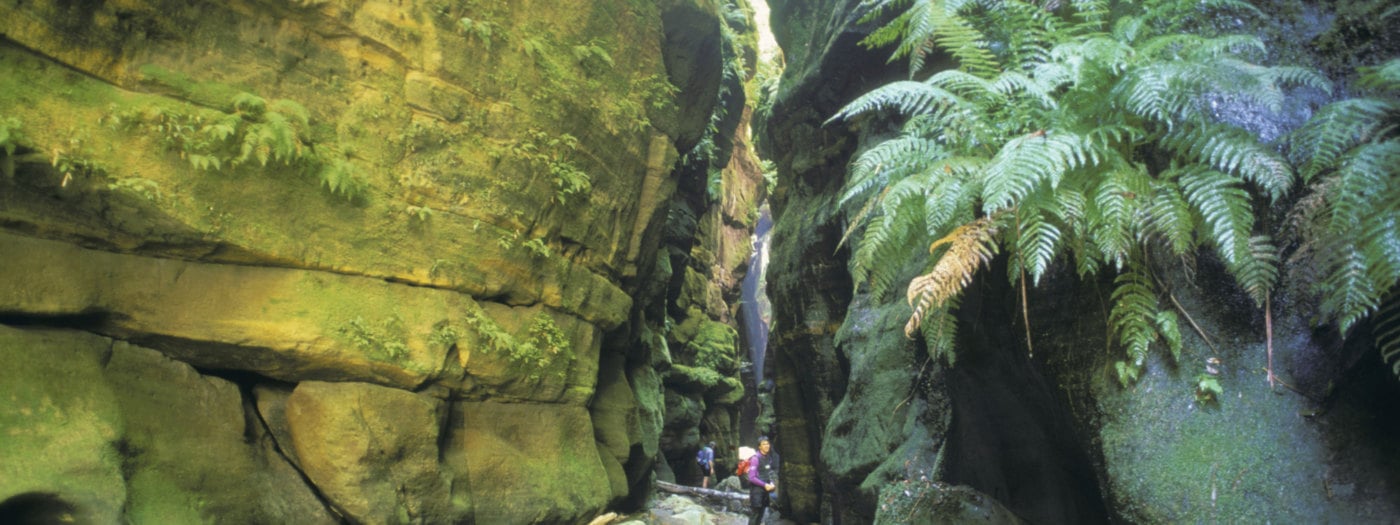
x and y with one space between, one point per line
753 320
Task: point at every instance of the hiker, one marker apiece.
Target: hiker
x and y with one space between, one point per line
760 471
706 459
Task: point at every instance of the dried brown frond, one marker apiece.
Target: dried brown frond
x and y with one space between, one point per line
969 246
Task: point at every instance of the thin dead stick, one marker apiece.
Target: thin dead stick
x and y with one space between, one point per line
1199 331
1025 314
1269 338
916 378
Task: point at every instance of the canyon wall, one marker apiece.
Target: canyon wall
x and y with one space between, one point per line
364 260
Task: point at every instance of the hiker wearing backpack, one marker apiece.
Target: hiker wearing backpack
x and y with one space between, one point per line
758 473
706 459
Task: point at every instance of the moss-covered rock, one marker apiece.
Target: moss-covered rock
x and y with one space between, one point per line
921 501
126 434
528 463
894 415
448 197
373 451
61 421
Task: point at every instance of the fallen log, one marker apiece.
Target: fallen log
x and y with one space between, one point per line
703 492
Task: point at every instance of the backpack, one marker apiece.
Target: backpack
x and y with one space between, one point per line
743 472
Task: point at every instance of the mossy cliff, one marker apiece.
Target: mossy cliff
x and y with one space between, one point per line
690 318
385 262
868 427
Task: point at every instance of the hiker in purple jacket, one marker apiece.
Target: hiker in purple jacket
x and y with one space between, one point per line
758 477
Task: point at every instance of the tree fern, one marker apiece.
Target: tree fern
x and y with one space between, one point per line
1047 125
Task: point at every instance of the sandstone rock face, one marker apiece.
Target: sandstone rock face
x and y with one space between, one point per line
124 432
391 260
372 450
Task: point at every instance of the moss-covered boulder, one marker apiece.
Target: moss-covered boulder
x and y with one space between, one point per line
921 501
528 463
373 451
126 434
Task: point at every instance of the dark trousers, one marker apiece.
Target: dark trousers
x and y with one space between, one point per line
758 502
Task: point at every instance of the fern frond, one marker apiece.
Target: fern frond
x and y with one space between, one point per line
964 42
859 219
1347 293
940 330
1010 83
1363 174
949 202
1224 206
964 83
1135 312
969 247
1170 330
884 244
1030 160
249 103
1384 78
292 110
1338 127
1146 93
888 161
1297 76
1037 241
1386 330
1113 219
1257 271
1169 216
1174 46
906 97
1091 18
1234 151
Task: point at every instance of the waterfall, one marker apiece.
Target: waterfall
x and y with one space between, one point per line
753 311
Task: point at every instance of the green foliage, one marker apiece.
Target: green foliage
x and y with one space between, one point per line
554 153
379 342
1208 388
272 133
593 56
483 30
1350 220
544 348
1079 133
1386 330
445 335
537 247
419 213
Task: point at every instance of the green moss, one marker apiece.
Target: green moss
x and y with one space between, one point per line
211 94
708 343
705 377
